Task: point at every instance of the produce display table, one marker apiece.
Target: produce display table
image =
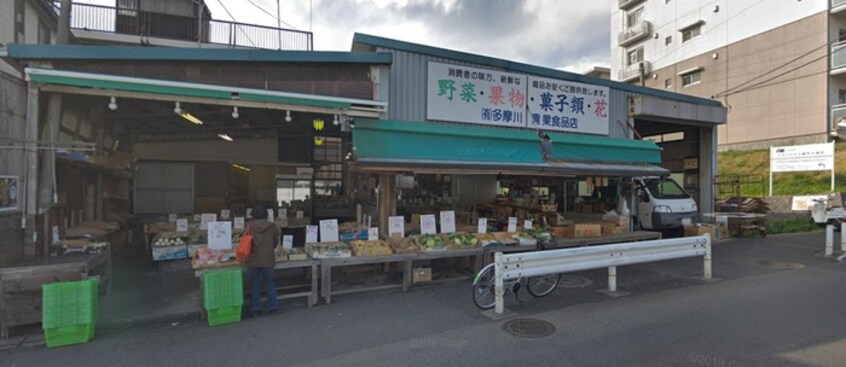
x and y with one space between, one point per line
477 253
310 295
607 239
327 264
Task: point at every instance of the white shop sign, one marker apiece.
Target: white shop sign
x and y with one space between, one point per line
311 234
427 224
448 221
802 158
479 96
396 225
483 225
287 242
512 224
373 234
182 225
329 230
558 105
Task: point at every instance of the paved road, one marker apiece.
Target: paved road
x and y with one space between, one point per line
754 316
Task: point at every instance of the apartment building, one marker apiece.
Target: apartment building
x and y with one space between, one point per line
777 65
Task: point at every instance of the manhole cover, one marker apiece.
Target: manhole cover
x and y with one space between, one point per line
528 328
781 265
573 281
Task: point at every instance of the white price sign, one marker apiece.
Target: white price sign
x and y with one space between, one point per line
483 225
197 217
224 214
427 224
56 238
571 107
373 234
311 234
171 218
239 222
527 224
270 215
448 221
396 225
512 224
206 219
287 242
220 235
182 225
329 230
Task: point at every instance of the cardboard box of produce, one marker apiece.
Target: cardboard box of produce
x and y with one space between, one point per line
587 230
621 221
700 229
420 275
564 230
611 228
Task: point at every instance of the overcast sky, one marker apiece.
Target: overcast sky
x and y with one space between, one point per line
565 34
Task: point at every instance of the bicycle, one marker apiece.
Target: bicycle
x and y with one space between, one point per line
484 287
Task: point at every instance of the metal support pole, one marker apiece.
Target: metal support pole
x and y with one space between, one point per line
612 278
707 261
843 237
499 289
829 240
771 183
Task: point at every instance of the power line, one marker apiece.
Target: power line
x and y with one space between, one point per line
235 25
778 76
725 92
263 10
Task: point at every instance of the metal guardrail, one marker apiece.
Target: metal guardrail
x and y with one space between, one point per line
128 21
539 263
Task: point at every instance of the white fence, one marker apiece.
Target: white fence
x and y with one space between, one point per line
540 263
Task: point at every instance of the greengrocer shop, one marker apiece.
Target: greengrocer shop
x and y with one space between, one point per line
393 153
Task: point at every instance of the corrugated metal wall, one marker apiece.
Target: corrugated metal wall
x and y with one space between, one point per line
408 91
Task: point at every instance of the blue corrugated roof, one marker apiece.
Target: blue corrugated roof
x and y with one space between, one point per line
366 39
86 52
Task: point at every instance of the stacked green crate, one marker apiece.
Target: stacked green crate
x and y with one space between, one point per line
69 312
223 296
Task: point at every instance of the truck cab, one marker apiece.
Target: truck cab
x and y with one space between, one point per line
663 204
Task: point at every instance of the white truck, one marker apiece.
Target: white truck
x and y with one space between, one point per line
663 204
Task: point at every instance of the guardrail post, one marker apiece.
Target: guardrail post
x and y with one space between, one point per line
612 278
499 289
829 240
843 237
707 271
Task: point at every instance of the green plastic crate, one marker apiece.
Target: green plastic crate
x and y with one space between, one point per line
224 315
222 289
68 335
69 304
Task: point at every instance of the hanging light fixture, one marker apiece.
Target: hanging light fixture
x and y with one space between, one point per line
288 116
335 121
113 103
191 118
177 108
235 112
225 137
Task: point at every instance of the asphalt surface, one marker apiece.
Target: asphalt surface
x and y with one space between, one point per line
754 315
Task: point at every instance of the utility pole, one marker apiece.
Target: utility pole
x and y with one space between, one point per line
279 23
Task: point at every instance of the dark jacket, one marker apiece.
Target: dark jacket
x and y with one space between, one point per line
265 239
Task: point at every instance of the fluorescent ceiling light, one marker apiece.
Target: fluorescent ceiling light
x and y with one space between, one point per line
225 137
191 118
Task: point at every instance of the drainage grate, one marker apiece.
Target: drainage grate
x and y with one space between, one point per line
573 281
528 328
781 265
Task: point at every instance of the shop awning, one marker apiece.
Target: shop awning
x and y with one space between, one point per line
399 146
64 81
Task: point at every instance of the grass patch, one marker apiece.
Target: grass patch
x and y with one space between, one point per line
798 225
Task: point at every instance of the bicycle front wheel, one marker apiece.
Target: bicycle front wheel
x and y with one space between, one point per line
542 286
484 288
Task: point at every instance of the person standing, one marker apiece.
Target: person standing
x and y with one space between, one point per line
261 261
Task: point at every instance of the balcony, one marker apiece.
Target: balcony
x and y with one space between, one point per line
626 4
632 72
634 34
109 24
838 119
838 58
838 6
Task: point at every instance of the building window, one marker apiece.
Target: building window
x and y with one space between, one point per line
20 9
635 56
668 40
841 96
127 7
44 33
691 79
691 33
668 83
665 138
634 17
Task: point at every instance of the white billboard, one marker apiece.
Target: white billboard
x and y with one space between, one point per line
567 106
479 96
802 158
